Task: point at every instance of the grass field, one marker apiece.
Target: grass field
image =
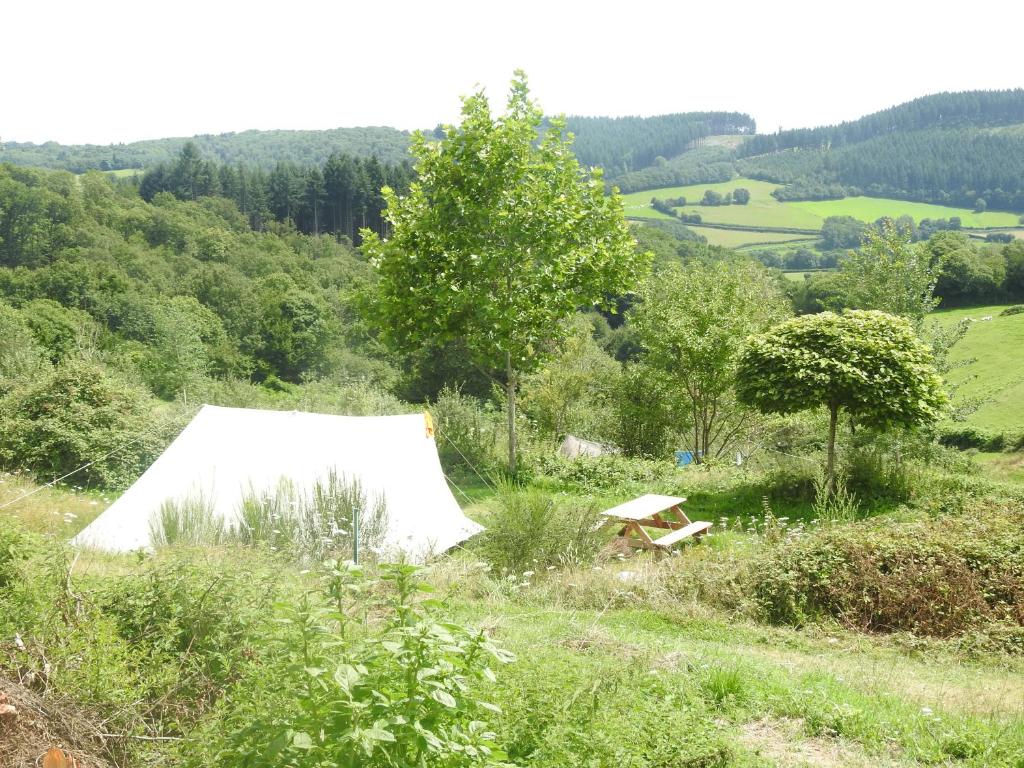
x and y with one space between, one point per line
873 208
994 369
1008 467
798 275
124 173
621 662
763 210
738 238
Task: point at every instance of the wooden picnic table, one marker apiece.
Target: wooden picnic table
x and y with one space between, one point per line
655 511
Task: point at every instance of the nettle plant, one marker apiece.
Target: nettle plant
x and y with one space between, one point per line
371 677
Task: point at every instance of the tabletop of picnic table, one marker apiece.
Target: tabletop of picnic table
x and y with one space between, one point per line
643 507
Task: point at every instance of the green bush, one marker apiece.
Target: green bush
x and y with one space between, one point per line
647 424
15 546
468 431
400 690
1016 309
196 620
77 414
531 530
938 577
602 473
609 713
965 437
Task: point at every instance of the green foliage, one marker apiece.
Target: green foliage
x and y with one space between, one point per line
181 292
63 332
890 274
572 393
531 530
21 356
501 238
604 699
865 362
467 431
491 215
77 414
15 547
644 404
608 473
937 578
398 691
691 322
200 617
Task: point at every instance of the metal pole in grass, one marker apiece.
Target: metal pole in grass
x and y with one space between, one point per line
355 534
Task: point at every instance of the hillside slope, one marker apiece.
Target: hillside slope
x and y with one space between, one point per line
262 149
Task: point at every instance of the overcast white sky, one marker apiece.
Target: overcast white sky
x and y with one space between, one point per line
102 71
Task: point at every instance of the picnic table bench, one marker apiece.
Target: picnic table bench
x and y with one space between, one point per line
655 511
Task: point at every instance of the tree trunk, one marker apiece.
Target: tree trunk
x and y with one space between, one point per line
830 466
510 407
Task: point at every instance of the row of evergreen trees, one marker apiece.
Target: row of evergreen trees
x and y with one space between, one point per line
950 167
978 109
623 144
340 197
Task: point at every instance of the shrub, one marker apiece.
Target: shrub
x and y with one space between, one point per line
1016 309
467 431
78 414
937 577
614 712
197 620
531 529
15 546
398 691
965 437
645 411
602 473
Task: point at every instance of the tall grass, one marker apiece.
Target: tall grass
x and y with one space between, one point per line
189 521
324 522
533 529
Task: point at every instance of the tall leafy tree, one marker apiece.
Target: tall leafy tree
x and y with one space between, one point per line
868 364
502 237
691 322
891 274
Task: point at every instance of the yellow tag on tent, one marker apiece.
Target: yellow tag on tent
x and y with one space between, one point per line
429 423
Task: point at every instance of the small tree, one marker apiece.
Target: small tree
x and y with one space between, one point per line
502 237
866 363
691 322
890 274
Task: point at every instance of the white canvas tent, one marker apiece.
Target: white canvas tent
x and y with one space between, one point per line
225 452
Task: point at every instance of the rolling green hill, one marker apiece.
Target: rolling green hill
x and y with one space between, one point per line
994 369
762 219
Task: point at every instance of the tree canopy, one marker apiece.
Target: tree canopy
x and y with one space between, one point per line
866 363
500 238
691 322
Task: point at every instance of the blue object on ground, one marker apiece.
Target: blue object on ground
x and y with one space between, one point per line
683 458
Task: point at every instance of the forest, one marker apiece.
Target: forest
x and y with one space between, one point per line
257 149
340 197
